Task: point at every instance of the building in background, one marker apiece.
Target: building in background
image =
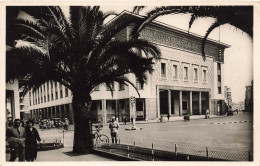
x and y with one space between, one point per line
228 97
238 106
182 82
249 98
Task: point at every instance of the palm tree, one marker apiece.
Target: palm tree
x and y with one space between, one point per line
80 53
240 17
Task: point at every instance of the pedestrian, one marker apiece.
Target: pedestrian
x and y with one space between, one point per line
207 114
168 116
161 118
16 136
237 111
32 136
113 126
125 119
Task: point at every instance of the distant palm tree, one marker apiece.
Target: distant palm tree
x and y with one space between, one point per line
80 53
240 17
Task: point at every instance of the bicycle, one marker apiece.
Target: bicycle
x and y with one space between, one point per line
100 139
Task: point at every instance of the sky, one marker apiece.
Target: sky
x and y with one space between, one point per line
238 59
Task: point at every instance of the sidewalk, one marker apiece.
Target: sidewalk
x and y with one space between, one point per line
65 154
173 119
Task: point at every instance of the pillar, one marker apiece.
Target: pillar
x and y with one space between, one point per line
200 108
104 111
180 97
169 102
191 110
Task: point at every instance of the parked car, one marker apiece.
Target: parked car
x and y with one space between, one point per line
57 122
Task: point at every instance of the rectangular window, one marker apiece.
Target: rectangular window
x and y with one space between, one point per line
219 90
61 91
66 92
44 99
48 86
121 87
163 70
204 75
56 90
186 73
219 78
175 72
195 75
30 98
48 97
139 86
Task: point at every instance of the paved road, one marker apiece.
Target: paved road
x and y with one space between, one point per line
216 132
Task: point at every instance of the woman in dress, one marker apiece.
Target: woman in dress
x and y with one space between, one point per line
32 136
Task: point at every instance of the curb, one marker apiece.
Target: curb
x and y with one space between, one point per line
114 156
236 122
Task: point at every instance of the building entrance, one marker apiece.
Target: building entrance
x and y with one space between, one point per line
164 102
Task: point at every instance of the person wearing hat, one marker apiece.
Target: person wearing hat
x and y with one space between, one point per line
32 136
113 126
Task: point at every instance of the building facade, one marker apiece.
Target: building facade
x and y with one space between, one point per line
182 82
249 98
12 100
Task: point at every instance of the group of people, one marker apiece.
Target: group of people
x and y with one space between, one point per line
22 141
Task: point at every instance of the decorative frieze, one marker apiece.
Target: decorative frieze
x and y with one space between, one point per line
177 40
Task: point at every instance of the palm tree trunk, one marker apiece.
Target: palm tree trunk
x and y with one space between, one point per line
83 143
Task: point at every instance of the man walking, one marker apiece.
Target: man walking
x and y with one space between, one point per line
113 126
15 136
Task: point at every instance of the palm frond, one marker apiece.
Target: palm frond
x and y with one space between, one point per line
210 29
137 9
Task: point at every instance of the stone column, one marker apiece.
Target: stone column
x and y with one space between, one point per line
104 111
191 109
200 108
180 98
169 102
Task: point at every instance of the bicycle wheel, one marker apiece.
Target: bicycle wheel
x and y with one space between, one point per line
102 139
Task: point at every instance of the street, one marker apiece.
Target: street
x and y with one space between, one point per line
224 132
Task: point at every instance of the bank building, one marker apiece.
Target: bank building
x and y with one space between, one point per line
182 82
